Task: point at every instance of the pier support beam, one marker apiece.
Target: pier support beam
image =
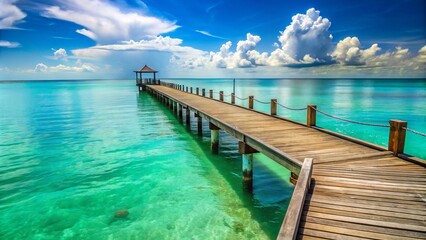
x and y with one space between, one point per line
199 125
397 136
188 117
180 115
247 165
214 138
293 178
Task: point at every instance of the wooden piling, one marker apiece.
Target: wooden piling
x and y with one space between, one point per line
203 92
251 101
214 138
180 114
191 89
199 125
311 115
197 91
273 107
188 117
397 136
247 164
186 89
211 93
232 98
221 96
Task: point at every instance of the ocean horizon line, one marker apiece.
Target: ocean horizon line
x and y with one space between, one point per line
210 78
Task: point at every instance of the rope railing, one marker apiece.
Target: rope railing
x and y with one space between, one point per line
261 101
397 128
290 108
351 121
241 98
414 131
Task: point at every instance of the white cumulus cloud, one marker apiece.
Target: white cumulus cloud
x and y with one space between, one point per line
60 54
307 35
8 44
305 42
106 23
348 52
40 67
10 14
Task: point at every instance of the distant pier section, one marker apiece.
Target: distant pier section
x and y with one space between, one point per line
142 82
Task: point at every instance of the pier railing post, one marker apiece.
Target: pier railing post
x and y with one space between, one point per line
251 98
397 136
191 89
211 93
311 116
186 89
203 92
221 96
273 107
214 135
197 91
232 98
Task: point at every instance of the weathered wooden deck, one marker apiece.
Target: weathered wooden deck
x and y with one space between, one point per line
357 191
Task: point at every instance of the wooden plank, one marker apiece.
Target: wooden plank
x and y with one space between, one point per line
290 225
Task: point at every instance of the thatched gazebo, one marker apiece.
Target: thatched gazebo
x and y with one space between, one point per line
142 82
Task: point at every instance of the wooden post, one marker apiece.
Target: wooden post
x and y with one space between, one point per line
197 91
211 93
180 112
232 98
221 96
188 117
273 107
214 138
199 125
251 98
186 89
247 165
183 88
311 115
203 92
191 89
397 136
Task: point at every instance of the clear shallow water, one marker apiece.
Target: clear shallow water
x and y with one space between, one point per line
366 100
74 152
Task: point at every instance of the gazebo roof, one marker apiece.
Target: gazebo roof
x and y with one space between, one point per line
146 69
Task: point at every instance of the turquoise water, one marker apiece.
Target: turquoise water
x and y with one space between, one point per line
74 152
366 100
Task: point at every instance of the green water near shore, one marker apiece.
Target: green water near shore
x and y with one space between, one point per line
73 153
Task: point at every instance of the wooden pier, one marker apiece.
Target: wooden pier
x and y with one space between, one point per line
345 188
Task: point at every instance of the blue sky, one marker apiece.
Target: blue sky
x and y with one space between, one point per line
60 39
